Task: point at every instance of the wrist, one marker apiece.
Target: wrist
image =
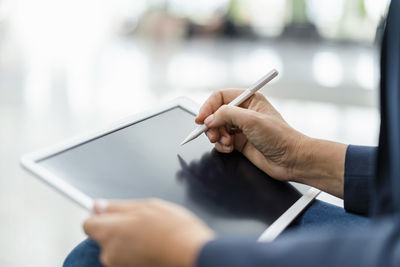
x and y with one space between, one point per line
320 163
303 155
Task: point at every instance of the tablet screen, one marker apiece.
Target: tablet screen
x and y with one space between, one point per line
145 160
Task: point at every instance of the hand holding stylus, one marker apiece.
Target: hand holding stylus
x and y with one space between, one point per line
236 102
262 135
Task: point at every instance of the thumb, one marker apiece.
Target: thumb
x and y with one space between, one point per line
231 115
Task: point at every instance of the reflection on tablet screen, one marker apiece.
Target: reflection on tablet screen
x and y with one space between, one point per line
144 160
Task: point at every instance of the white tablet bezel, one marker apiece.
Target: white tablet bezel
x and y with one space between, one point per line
29 162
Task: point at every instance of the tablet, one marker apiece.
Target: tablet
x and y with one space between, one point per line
141 157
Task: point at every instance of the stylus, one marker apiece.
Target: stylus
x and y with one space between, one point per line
236 102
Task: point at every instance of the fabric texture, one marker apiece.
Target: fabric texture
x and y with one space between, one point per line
322 216
371 246
86 254
386 187
359 174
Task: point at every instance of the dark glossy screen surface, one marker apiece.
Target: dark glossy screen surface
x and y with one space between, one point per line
145 160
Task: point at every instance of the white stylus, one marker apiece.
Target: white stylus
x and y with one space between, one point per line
236 102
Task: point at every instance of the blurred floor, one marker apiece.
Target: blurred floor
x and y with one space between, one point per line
325 90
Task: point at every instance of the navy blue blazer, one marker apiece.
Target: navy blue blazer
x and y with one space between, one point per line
371 187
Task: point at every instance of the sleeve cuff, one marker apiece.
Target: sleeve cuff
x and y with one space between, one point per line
360 167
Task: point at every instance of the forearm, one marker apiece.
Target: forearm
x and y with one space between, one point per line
321 164
372 245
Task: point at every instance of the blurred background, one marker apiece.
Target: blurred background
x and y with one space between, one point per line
69 67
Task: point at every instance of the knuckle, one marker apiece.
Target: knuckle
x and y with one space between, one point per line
215 96
87 225
224 109
216 93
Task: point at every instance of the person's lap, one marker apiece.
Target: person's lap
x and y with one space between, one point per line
86 254
322 216
319 216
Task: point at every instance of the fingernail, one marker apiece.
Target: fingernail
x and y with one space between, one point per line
100 206
209 134
224 140
209 119
226 148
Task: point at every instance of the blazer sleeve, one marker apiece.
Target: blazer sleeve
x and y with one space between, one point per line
373 245
359 173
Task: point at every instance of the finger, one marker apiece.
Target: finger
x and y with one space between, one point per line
216 100
213 135
136 205
97 227
100 206
240 141
222 148
123 206
93 226
226 139
104 206
231 115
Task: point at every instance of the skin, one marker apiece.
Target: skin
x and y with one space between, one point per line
157 233
149 232
271 144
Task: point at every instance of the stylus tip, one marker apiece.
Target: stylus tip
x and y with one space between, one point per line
193 135
187 139
184 142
